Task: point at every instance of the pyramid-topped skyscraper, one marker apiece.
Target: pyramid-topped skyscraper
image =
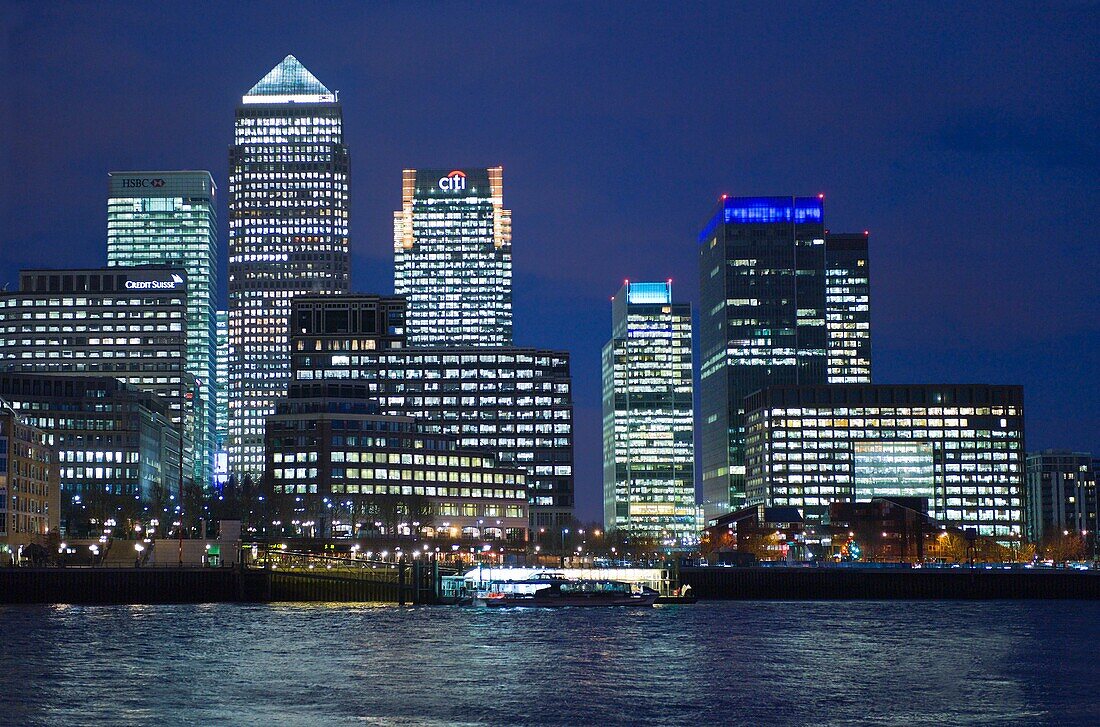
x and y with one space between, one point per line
289 82
288 235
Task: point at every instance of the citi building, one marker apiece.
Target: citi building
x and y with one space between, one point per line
452 241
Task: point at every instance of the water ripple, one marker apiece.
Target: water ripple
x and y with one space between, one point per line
841 663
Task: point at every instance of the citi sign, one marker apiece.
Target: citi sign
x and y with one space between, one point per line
453 182
154 284
133 183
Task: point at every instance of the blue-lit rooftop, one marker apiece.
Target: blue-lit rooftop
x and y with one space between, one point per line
643 293
766 210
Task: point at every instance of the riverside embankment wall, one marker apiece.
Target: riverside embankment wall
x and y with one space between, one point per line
921 583
194 585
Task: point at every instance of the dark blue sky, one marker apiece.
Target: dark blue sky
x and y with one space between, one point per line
963 136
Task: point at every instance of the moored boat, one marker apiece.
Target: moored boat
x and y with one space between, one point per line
554 591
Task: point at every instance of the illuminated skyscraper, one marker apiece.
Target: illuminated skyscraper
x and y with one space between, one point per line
648 418
221 400
221 380
452 242
288 235
782 303
169 218
848 307
762 322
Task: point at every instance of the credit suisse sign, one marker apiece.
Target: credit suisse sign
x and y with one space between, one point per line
172 284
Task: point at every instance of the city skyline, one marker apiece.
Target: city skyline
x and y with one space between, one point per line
1017 325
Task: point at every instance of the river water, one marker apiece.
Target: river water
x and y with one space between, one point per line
753 663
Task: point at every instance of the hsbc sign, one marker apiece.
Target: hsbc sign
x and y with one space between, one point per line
142 182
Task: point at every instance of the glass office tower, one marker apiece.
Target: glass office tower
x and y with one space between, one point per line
221 400
169 218
221 380
123 323
848 307
452 243
648 417
762 322
288 235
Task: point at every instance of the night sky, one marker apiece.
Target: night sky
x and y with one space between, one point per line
963 136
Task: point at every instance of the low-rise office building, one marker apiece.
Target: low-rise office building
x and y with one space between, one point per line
117 451
883 529
1061 494
514 402
758 532
129 323
336 464
30 500
959 446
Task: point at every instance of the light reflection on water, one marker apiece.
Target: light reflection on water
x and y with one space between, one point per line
891 663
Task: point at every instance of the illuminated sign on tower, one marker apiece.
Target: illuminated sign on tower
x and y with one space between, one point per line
453 182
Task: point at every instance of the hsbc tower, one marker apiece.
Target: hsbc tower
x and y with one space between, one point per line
169 218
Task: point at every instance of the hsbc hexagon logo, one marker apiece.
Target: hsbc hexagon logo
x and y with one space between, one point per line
156 183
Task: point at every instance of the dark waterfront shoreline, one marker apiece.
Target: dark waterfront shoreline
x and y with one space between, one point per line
759 663
170 585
